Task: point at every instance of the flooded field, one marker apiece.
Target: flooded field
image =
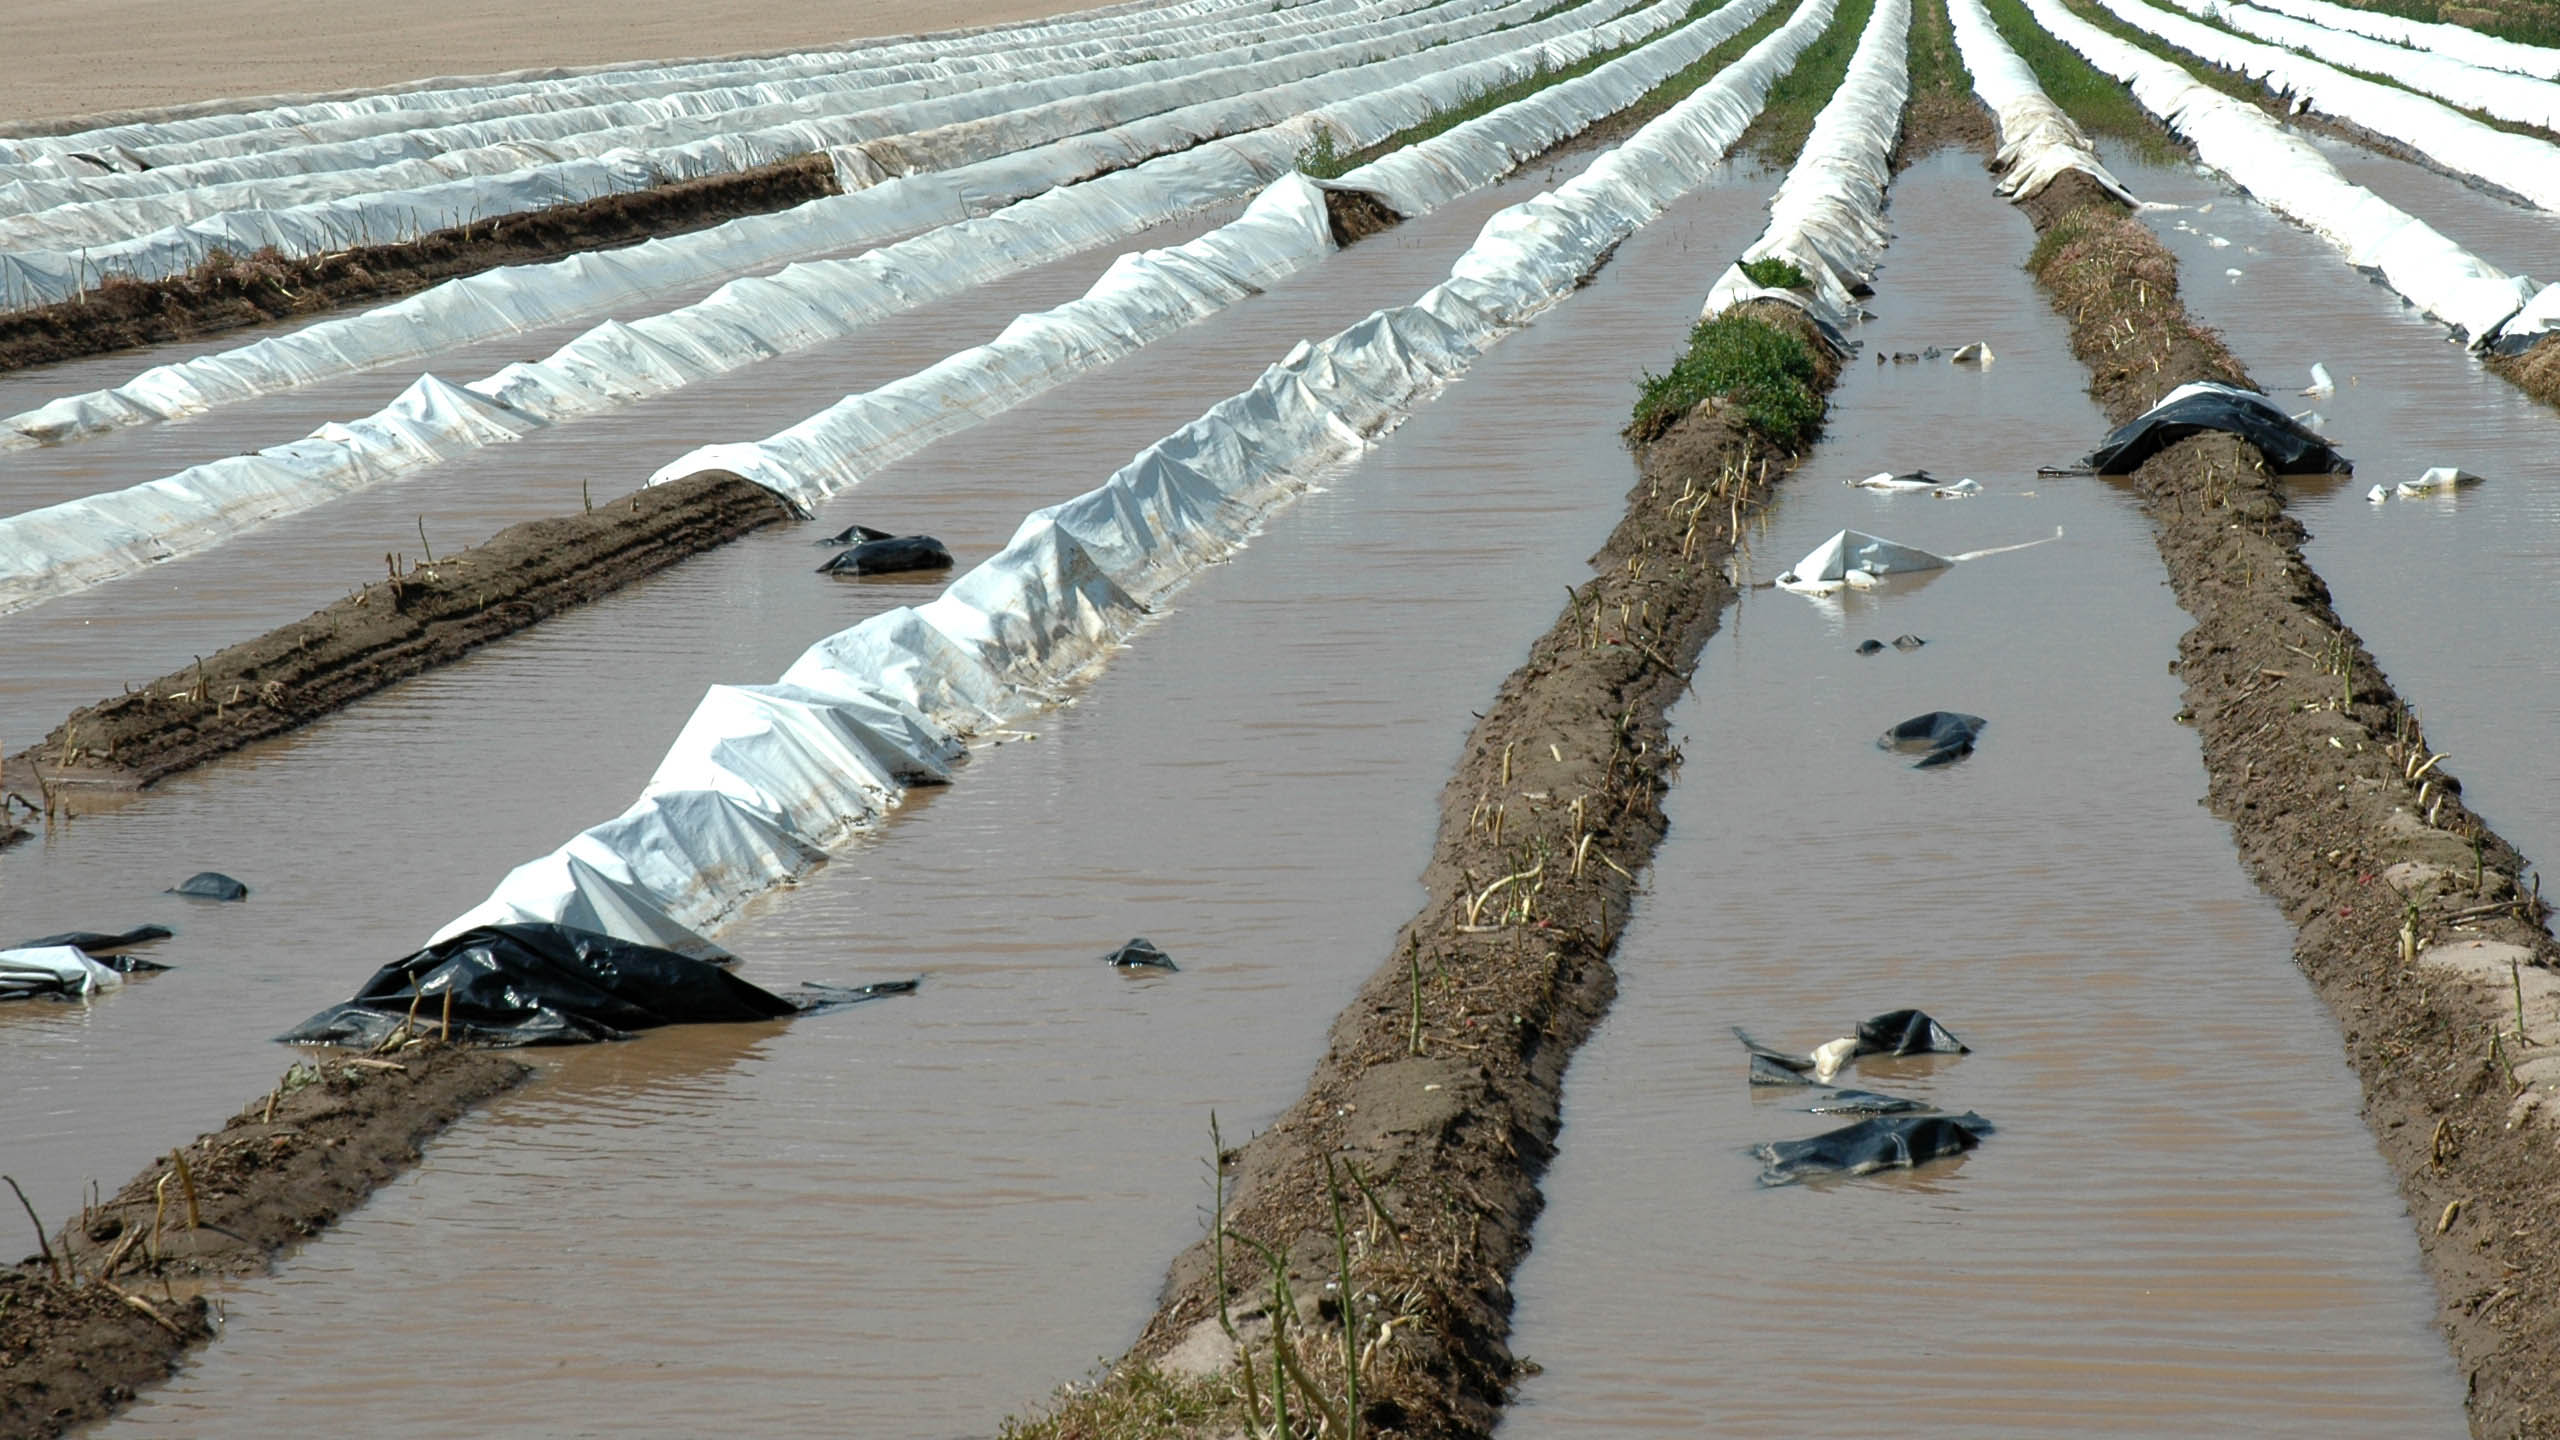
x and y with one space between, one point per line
2180 1225
912 1197
2440 588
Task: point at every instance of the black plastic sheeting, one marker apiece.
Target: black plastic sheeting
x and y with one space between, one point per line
1941 737
551 984
1141 954
1907 1032
889 556
2290 448
1886 1142
210 885
101 947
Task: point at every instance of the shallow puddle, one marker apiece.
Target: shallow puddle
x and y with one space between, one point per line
2449 592
923 1212
2180 1225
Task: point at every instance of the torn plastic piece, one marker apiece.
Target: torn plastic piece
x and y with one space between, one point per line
210 885
890 556
1908 643
2320 384
1941 737
2204 405
1870 647
60 970
1779 1067
857 535
1856 559
1886 1142
554 985
1908 480
1140 954
1976 353
97 943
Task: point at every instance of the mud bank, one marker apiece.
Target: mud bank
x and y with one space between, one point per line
2409 918
123 314
1409 1167
79 1328
419 616
2536 372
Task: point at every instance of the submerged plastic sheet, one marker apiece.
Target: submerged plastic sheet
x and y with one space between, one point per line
1827 218
551 985
2204 405
1856 559
1886 1142
738 807
2037 140
61 970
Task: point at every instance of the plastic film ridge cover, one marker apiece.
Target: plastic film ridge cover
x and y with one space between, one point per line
752 789
2037 140
2433 273
1030 112
1827 218
1148 295
2498 93
522 297
2455 41
64 547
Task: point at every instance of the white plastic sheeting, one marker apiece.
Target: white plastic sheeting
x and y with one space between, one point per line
516 298
2037 140
2453 41
551 124
60 548
1146 296
53 970
1032 113
2497 93
1827 218
763 778
2236 138
285 120
2518 164
1856 560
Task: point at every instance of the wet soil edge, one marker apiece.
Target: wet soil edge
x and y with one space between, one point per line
1436 1106
2310 756
420 615
254 290
116 1299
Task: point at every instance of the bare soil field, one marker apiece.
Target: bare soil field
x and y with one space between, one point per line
70 58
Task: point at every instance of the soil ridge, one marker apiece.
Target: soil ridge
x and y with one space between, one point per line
80 1329
421 615
229 293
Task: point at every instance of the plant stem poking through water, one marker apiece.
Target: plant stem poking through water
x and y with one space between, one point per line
43 1246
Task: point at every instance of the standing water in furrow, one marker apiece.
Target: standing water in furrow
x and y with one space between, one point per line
2450 590
933 1211
2178 1224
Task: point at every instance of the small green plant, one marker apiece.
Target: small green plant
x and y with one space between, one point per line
1764 369
1771 273
1321 160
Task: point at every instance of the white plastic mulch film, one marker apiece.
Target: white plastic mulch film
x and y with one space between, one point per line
2037 140
764 778
2453 41
61 548
1145 296
2519 164
2262 157
517 298
2492 92
1827 218
59 253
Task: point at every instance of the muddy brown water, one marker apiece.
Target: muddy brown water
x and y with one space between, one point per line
925 1212
2181 1226
2448 592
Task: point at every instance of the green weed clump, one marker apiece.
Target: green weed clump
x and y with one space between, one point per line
1799 95
1763 369
1771 273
